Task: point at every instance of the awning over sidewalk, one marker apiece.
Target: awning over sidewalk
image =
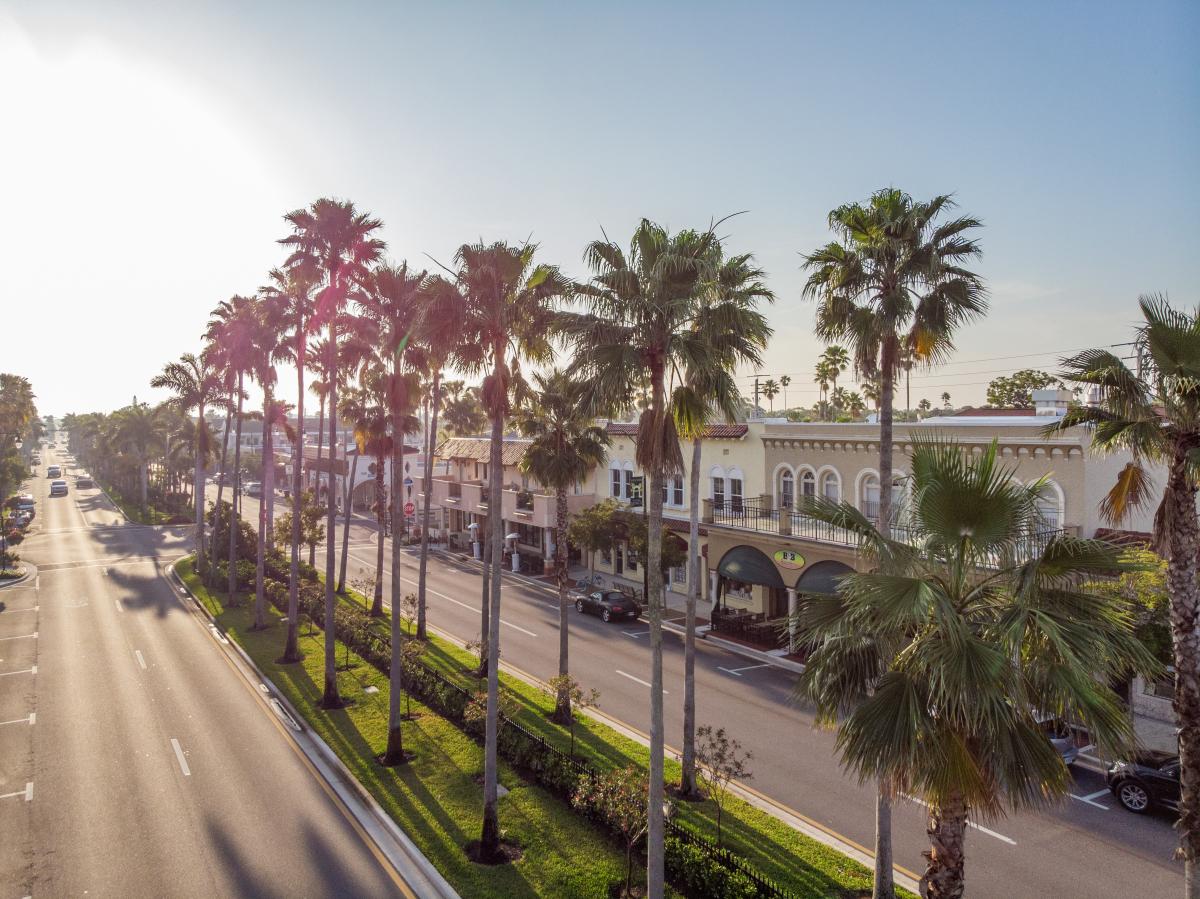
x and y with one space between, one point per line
750 566
822 577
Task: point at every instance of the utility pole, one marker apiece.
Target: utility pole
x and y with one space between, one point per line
755 395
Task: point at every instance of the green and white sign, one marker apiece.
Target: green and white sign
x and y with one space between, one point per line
785 558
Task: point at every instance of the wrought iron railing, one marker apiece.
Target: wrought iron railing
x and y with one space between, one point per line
525 500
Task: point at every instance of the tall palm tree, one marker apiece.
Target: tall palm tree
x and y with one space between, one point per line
268 348
638 329
822 374
770 389
196 386
464 411
391 300
371 437
836 360
1154 414
566 445
444 310
138 430
894 278
934 665
508 318
293 287
232 325
336 238
736 334
946 399
784 382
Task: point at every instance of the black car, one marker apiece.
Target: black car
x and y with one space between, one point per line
1148 780
609 605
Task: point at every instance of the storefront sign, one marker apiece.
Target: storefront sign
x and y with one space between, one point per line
785 558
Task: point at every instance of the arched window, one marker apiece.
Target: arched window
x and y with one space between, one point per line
787 490
735 483
1050 507
831 486
808 484
868 499
717 481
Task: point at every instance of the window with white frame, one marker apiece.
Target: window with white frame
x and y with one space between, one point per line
677 490
808 485
718 492
735 493
868 500
616 482
831 488
628 485
787 490
1049 508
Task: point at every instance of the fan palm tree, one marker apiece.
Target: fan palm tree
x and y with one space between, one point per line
933 666
855 404
1154 414
836 360
464 411
139 430
293 287
196 385
784 382
232 326
736 333
508 318
338 240
946 399
565 447
893 279
391 299
371 437
822 376
638 328
770 389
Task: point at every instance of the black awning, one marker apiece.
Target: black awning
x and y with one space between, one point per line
750 566
822 577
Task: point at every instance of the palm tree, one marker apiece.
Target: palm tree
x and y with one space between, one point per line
639 329
924 406
508 318
566 445
836 360
735 333
855 404
196 385
464 411
392 301
318 351
893 279
946 399
770 389
293 287
337 239
784 381
232 326
934 665
822 375
138 430
1154 414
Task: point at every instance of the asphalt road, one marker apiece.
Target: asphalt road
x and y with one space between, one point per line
1085 846
134 760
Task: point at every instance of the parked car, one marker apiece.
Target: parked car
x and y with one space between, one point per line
58 488
608 604
1061 737
54 471
254 489
1149 779
84 481
25 502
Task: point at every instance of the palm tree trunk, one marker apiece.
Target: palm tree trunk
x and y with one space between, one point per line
260 564
1184 539
380 512
655 824
884 886
268 497
394 754
947 829
291 650
489 843
485 534
331 698
237 484
687 781
320 447
427 485
198 488
347 493
562 707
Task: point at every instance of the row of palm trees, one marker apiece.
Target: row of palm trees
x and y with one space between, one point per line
20 429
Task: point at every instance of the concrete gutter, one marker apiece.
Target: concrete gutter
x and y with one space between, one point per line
401 852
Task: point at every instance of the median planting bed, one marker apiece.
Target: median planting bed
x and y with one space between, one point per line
437 798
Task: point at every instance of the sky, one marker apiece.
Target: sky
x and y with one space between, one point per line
148 151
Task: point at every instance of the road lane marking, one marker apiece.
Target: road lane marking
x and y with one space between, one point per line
979 827
187 772
28 720
1090 799
140 658
27 793
120 608
515 627
32 670
32 636
637 679
30 609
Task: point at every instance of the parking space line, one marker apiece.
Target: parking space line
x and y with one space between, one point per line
30 609
737 672
183 765
979 827
635 634
28 720
27 793
32 670
32 636
637 680
140 658
1091 797
120 608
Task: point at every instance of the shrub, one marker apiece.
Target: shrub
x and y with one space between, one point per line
698 875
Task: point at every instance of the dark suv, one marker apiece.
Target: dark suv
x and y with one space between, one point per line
1148 780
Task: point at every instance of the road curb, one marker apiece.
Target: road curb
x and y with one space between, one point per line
327 762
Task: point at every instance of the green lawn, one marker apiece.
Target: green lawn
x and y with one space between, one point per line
434 798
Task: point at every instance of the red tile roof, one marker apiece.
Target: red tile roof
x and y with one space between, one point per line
711 432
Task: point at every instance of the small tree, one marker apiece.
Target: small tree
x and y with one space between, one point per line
475 714
618 797
364 585
408 606
721 760
596 529
410 656
577 700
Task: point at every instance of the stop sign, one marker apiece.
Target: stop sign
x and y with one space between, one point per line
409 508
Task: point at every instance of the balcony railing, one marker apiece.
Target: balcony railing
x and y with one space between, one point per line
453 490
525 500
759 515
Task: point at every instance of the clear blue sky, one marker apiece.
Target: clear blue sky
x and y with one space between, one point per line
150 149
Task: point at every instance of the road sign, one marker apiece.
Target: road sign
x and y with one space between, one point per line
408 482
409 508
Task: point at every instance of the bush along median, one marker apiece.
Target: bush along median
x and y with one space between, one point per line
760 855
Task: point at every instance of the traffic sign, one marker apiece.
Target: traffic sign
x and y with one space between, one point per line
409 508
408 482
